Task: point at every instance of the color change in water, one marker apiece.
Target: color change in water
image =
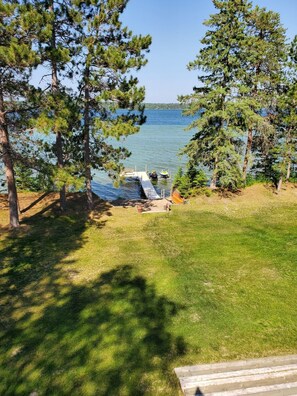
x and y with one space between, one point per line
155 147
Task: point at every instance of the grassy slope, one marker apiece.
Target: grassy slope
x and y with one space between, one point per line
111 306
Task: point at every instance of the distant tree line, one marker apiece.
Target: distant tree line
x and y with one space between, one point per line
164 106
52 135
246 102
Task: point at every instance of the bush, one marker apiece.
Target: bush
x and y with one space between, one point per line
191 182
252 179
185 186
200 179
293 178
178 177
201 191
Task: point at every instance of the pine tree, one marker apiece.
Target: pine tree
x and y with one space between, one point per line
110 95
285 149
221 117
241 61
57 42
16 59
263 65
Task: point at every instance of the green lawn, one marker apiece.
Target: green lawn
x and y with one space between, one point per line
111 306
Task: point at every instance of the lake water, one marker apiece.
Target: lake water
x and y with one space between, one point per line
155 147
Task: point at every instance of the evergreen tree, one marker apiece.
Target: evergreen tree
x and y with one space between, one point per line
16 59
218 142
285 150
241 62
110 95
263 64
57 43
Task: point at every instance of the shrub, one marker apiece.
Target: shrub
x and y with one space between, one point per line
190 182
252 179
200 179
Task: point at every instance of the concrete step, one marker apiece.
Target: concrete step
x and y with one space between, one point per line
268 376
235 365
271 390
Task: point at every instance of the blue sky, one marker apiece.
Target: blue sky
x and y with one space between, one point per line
176 28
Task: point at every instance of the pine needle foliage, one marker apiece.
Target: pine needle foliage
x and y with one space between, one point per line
17 58
111 100
240 62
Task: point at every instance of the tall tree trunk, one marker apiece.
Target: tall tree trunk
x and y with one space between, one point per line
87 161
213 182
249 142
9 171
288 170
247 153
289 142
279 184
55 88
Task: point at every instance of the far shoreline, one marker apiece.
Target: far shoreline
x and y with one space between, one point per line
164 106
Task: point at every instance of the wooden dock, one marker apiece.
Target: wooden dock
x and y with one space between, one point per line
267 376
146 184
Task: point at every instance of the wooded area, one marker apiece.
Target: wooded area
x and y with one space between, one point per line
246 100
100 298
53 135
87 56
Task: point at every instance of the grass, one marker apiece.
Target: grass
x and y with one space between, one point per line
112 305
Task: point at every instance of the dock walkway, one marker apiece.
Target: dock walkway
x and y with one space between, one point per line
270 376
146 184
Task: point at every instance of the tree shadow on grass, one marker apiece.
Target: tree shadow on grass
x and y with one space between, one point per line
37 200
33 258
45 239
109 337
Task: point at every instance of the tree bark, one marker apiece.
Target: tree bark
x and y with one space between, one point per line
9 172
247 153
289 156
87 161
249 142
55 88
213 182
288 170
279 184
